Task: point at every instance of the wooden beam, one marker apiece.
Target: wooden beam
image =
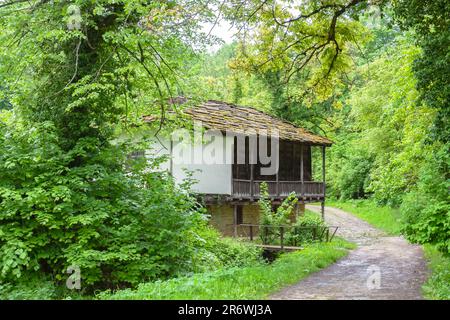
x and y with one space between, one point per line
323 169
278 185
233 166
251 180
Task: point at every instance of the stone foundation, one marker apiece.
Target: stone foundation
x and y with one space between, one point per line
222 217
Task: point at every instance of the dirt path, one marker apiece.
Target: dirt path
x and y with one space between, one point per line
382 267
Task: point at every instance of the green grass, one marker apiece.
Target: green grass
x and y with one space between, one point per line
437 286
382 217
255 282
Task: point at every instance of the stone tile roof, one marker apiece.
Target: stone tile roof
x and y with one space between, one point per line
225 116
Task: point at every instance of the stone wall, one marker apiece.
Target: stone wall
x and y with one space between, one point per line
222 217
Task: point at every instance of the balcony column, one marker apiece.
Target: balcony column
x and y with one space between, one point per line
322 209
278 184
252 169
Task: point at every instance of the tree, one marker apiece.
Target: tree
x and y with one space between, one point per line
308 41
426 208
430 21
73 70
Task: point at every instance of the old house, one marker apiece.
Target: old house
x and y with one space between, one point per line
231 187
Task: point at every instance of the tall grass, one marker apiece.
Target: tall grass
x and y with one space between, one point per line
437 286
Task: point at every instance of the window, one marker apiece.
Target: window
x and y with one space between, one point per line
239 215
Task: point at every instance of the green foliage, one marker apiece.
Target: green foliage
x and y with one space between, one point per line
426 209
430 21
306 44
68 196
120 228
217 252
270 219
349 169
29 288
306 229
211 78
232 253
437 286
392 129
253 282
279 216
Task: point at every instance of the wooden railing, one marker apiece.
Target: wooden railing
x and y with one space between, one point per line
278 238
245 188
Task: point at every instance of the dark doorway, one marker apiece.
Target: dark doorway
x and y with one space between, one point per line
239 215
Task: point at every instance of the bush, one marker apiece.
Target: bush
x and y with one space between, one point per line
233 253
28 288
425 209
217 252
306 229
269 218
79 207
426 220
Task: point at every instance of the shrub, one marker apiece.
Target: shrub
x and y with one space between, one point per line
427 220
28 288
217 252
233 253
425 210
80 207
306 229
270 218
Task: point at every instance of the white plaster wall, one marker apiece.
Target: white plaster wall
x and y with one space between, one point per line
212 178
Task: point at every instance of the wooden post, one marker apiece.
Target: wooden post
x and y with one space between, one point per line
323 169
251 233
278 185
281 237
302 189
322 209
233 166
251 181
235 220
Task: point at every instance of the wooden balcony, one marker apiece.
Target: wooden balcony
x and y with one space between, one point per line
245 189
